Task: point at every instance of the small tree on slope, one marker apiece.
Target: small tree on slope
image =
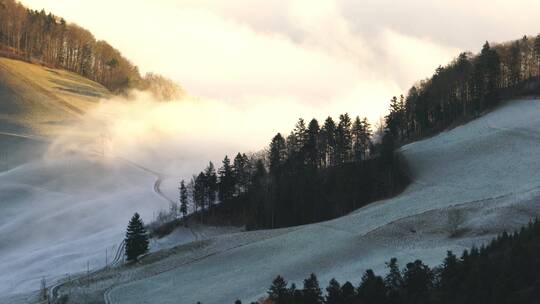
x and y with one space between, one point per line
183 198
136 240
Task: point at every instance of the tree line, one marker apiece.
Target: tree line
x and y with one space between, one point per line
319 172
503 271
37 36
466 87
313 174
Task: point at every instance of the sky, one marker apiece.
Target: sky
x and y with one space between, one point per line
287 59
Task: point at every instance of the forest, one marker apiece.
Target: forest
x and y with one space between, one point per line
465 88
43 38
313 174
319 172
504 271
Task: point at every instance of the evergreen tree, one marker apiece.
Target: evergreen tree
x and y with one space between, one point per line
328 142
241 172
487 74
258 195
210 184
295 295
311 146
393 281
292 145
226 181
312 292
372 289
301 135
334 293
365 138
199 192
357 134
136 241
343 139
348 293
277 154
449 277
278 292
417 282
183 199
394 119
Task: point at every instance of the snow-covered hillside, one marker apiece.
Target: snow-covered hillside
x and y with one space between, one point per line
469 184
66 193
58 212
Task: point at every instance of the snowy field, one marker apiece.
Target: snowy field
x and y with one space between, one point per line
470 184
58 214
65 198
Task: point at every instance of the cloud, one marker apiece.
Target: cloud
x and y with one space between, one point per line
239 52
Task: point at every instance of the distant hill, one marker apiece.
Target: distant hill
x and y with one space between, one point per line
38 101
43 38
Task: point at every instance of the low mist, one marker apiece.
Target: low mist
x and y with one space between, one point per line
178 138
79 195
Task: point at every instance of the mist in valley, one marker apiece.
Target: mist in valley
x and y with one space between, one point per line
67 199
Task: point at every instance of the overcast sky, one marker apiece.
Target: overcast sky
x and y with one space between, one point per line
311 58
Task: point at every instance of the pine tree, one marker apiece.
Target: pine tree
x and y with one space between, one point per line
365 138
210 185
343 139
199 192
136 241
295 295
394 119
312 292
241 171
277 154
372 289
328 142
334 293
278 292
417 282
311 146
393 280
348 293
357 130
183 199
449 276
301 134
226 181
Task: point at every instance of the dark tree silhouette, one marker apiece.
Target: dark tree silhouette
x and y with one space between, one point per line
334 294
183 198
312 292
278 292
226 181
372 289
136 241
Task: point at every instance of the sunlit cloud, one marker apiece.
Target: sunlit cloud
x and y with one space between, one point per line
265 64
239 52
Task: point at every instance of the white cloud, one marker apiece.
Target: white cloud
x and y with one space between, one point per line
300 52
295 58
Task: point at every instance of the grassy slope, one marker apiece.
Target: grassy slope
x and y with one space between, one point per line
36 100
